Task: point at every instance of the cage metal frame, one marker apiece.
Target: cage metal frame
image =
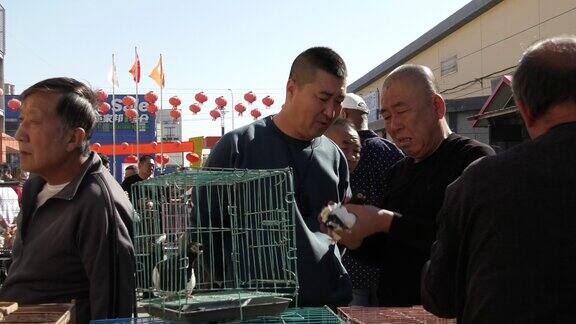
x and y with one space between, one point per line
245 220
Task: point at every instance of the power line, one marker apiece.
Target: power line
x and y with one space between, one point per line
476 80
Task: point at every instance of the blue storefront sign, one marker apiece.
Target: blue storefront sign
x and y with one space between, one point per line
125 130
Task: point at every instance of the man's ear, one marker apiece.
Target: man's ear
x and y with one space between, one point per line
439 106
290 88
526 114
75 138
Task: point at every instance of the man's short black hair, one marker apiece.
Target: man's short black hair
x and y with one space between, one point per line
77 105
145 158
546 75
130 167
306 64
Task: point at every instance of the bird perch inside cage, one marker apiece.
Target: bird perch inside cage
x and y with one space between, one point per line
216 239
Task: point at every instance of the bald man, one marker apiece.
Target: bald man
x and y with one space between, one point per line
506 244
398 238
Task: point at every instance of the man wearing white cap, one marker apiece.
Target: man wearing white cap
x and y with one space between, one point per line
377 156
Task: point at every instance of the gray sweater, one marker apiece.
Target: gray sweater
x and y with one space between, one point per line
320 176
75 246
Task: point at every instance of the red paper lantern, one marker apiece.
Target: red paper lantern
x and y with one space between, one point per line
221 102
151 97
131 113
267 101
131 159
96 147
101 95
240 108
14 104
128 101
255 113
201 97
104 108
125 145
152 109
195 108
154 145
175 114
162 159
250 97
215 113
192 157
175 101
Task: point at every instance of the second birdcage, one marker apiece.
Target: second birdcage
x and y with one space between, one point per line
216 244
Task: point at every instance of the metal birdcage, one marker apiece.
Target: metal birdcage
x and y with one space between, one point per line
216 244
310 315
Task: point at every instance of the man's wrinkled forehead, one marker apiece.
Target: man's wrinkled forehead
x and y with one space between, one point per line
41 103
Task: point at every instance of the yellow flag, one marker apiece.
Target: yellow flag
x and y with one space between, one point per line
157 73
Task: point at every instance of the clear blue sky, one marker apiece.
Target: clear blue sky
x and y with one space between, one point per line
207 45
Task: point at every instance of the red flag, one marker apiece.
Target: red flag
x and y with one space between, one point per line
135 70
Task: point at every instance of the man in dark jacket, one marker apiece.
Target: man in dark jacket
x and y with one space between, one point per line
145 169
398 237
293 138
73 239
507 233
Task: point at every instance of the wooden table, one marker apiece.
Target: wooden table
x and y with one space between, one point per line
43 313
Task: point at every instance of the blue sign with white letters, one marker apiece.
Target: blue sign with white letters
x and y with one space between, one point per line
125 130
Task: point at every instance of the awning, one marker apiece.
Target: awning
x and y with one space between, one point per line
501 102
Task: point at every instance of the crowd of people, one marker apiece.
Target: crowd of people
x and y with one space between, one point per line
444 221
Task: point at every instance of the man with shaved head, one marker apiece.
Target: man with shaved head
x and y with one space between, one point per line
507 231
398 238
294 138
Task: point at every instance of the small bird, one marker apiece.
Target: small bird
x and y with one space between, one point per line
337 217
167 274
161 239
193 251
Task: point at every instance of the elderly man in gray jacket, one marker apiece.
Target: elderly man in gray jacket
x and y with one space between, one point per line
74 234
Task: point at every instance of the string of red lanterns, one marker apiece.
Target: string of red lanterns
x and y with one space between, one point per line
151 98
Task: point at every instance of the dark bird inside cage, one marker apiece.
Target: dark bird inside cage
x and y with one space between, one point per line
168 277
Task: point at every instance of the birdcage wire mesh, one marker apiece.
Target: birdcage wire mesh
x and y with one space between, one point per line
309 315
135 320
231 230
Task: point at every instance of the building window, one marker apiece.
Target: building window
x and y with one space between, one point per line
449 66
372 101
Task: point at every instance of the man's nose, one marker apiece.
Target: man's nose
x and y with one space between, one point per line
332 108
395 123
21 135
